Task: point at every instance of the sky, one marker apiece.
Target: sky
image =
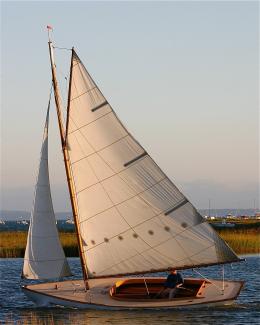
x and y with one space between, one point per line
182 76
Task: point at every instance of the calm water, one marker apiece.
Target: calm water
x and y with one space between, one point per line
17 309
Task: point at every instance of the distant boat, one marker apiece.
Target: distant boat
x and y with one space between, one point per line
2 222
23 222
130 218
224 224
69 221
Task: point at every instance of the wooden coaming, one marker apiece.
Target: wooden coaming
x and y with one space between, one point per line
146 289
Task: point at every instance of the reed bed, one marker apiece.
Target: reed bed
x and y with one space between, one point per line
242 241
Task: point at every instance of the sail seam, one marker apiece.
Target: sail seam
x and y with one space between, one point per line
81 127
184 250
104 179
85 92
132 197
93 153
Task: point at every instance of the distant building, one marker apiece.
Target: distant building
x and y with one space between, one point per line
230 216
257 215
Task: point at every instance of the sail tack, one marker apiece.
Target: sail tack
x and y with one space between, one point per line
44 257
132 218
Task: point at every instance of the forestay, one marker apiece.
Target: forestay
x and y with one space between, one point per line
44 257
132 218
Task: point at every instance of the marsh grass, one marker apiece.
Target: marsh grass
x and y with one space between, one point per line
242 241
13 243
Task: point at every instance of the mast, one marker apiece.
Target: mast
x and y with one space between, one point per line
67 166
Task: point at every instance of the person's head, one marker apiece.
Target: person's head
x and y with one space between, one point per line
173 271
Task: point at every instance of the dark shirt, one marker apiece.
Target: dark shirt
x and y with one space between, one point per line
173 280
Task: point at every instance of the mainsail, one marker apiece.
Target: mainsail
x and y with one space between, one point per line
44 257
132 218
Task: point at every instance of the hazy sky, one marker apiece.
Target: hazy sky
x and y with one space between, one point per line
182 76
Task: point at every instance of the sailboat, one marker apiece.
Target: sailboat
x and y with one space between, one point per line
130 218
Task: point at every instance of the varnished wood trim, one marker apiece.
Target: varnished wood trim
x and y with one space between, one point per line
66 162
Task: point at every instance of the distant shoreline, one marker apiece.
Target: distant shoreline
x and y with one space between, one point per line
13 215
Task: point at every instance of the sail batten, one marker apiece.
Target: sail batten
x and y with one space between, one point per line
132 218
135 159
177 206
44 256
99 106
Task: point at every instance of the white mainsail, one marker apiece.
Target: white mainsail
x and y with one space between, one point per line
44 256
132 218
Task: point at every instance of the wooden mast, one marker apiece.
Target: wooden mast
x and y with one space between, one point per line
66 162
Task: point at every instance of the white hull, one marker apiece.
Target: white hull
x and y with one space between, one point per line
72 294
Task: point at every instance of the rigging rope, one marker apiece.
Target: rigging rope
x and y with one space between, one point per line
223 279
148 293
62 48
221 289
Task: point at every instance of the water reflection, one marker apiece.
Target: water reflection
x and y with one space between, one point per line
233 315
